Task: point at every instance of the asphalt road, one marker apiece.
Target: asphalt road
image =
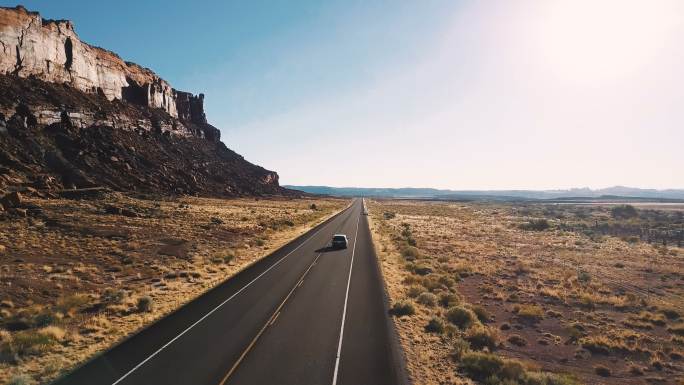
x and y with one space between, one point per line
305 314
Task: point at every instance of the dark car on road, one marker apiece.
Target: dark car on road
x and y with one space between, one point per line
339 241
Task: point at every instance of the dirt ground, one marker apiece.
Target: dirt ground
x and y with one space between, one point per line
539 289
76 276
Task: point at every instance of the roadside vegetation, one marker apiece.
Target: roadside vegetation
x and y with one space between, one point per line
534 294
79 275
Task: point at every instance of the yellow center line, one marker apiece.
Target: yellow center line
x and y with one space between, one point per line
270 321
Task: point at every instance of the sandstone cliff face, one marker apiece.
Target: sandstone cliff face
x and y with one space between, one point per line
52 51
73 115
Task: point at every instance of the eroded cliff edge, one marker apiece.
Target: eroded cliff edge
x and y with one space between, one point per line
73 115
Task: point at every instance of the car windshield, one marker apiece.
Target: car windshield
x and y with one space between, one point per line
339 238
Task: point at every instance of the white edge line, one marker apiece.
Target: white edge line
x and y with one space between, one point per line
221 304
344 312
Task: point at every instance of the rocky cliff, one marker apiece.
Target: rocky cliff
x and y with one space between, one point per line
73 115
52 51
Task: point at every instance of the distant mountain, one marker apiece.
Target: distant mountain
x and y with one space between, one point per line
411 192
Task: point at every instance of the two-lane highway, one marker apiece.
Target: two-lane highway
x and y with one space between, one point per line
305 314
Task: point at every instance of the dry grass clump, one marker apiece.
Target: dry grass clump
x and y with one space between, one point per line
481 337
461 316
427 299
403 308
530 313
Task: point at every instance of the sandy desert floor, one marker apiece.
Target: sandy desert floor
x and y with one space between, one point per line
533 294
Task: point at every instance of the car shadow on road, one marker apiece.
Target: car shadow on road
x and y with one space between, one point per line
326 249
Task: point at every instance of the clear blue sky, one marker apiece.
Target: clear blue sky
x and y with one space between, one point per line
453 94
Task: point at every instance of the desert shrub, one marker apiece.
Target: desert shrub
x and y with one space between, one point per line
54 332
313 207
446 282
512 371
44 319
20 379
517 340
587 301
410 253
71 303
536 225
388 215
481 313
480 366
431 283
31 342
427 299
422 270
145 304
414 291
624 212
435 325
602 371
228 258
601 345
481 337
461 317
583 277
448 300
402 308
459 347
530 313
113 296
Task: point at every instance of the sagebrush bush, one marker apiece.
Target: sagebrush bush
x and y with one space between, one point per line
435 325
427 299
459 347
410 253
448 300
414 291
481 313
480 366
461 317
481 336
403 308
113 296
145 304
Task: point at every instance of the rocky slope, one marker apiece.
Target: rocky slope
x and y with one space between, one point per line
73 116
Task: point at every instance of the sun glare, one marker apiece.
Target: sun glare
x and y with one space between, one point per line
593 41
